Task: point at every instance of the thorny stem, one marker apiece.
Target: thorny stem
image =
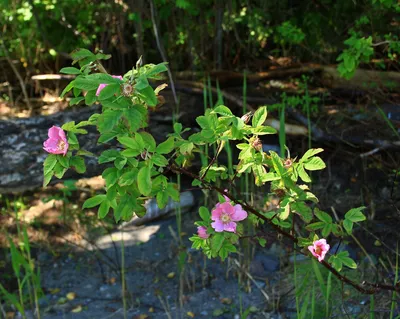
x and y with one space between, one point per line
374 287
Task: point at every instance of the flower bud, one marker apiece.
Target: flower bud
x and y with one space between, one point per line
257 144
287 163
127 89
246 118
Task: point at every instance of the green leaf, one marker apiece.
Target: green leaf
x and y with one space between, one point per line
144 180
108 156
347 261
70 70
63 160
322 216
166 146
204 214
79 54
348 226
186 148
173 192
59 170
49 163
103 209
130 143
107 120
217 242
76 100
303 210
90 97
127 178
259 116
134 117
326 230
355 215
310 153
67 89
222 110
159 68
47 178
159 160
277 163
263 130
303 174
120 162
105 137
148 96
94 201
141 83
315 163
315 226
148 141
162 199
111 175
109 91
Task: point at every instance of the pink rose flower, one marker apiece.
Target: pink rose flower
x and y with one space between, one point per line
102 86
319 248
57 142
202 232
225 217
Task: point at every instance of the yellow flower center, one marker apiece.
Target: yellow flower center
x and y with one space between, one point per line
225 218
61 145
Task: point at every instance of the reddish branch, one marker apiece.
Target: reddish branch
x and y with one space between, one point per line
371 288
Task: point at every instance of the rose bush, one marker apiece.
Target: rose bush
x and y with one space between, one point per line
137 169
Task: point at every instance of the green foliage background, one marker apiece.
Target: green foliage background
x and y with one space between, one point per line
203 34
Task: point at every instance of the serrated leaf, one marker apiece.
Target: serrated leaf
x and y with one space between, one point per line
103 209
222 110
76 100
78 163
310 153
303 174
70 70
315 226
259 116
217 242
155 70
108 156
355 215
127 178
166 146
347 261
94 201
303 210
315 163
144 180
148 96
162 199
49 163
109 91
90 97
67 89
204 214
322 216
348 226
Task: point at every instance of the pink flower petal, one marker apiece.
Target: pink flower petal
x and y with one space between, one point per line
54 132
57 142
218 226
202 232
231 227
238 214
